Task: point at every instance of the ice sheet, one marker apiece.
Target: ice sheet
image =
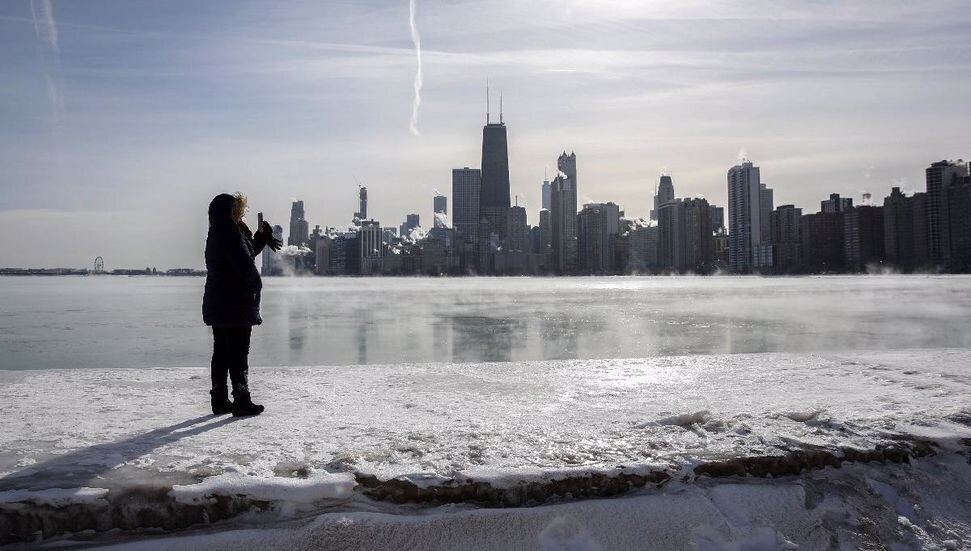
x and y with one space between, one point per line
331 433
73 428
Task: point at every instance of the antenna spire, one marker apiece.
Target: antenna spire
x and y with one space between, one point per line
487 101
500 108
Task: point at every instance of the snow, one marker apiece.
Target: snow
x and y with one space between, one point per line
421 420
331 435
818 511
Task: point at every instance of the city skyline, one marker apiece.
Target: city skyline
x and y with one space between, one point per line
124 121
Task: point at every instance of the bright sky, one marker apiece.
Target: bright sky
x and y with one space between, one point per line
121 119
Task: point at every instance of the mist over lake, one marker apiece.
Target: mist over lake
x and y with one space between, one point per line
85 322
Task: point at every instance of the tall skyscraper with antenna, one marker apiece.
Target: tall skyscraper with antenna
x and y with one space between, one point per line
494 192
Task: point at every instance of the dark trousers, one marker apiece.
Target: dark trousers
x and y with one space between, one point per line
230 355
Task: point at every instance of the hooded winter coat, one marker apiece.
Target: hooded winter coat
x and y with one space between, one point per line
233 284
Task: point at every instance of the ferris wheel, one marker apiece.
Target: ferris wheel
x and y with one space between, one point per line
99 265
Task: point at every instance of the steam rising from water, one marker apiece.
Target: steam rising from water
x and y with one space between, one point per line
416 39
293 250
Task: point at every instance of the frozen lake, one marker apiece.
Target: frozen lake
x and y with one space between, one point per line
84 322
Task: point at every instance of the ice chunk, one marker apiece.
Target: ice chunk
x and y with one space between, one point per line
683 420
318 487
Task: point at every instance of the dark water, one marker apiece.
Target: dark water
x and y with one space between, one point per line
79 322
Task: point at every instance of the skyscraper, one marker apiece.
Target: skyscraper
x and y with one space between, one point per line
670 232
563 217
299 227
372 247
662 194
905 229
746 248
440 208
786 223
766 204
836 204
685 239
822 242
361 213
545 232
940 177
516 234
547 194
270 264
494 193
466 184
717 217
440 204
863 238
959 225
567 164
412 221
595 224
643 247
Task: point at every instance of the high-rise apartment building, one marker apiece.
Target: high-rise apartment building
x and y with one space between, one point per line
863 237
959 225
643 243
785 226
941 176
823 242
905 230
767 205
747 250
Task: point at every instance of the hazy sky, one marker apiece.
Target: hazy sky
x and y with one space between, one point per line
121 119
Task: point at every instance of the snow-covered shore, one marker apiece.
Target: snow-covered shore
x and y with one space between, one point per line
348 451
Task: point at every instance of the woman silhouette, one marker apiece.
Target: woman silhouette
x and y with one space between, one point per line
231 303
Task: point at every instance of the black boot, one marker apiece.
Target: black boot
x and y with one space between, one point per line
219 398
244 405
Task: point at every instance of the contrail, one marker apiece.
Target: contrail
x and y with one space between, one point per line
44 23
416 39
43 16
